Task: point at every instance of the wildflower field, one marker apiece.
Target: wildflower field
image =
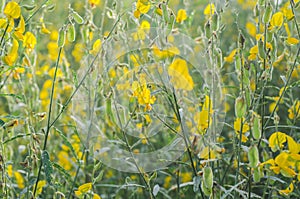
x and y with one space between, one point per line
149 99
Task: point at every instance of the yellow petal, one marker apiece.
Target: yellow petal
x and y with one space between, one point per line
277 19
288 190
96 47
181 16
209 9
292 41
180 76
12 10
276 140
85 187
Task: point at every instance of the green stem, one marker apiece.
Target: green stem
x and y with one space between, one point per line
49 117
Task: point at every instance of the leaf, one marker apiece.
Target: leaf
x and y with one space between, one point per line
1 123
47 166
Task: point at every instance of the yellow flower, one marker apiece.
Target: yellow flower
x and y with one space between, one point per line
245 128
94 2
180 77
40 186
230 57
181 16
9 170
276 21
20 29
288 190
29 41
209 9
277 140
78 51
12 56
166 53
83 189
294 111
19 179
292 41
251 28
167 182
12 10
202 120
253 53
287 12
142 7
207 153
142 93
96 47
96 196
186 177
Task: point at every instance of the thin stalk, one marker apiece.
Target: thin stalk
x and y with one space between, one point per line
49 117
35 12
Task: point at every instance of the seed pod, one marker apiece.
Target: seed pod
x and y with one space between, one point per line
205 190
240 106
77 17
253 157
242 40
85 34
208 177
71 32
256 174
267 14
61 38
261 50
256 130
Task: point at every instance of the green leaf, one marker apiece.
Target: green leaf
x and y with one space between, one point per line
1 123
47 166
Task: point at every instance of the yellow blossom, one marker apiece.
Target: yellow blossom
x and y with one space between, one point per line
180 77
96 196
93 3
142 93
230 57
29 41
83 189
209 9
165 53
12 10
251 28
245 128
12 56
142 7
288 190
202 120
292 41
96 47
167 182
277 19
294 111
40 186
9 170
19 179
181 16
20 29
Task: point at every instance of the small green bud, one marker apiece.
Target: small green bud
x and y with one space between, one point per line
77 17
61 38
240 106
71 32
